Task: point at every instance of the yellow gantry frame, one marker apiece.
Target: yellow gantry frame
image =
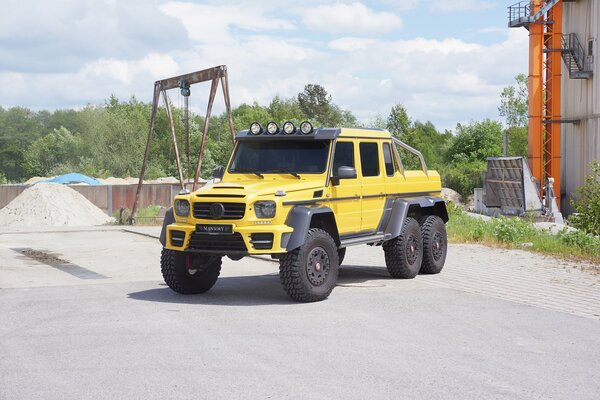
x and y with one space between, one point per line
545 44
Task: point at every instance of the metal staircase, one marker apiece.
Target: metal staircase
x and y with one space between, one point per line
578 63
519 14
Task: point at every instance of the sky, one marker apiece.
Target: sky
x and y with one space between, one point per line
446 61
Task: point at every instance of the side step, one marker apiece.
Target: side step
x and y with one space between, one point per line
362 240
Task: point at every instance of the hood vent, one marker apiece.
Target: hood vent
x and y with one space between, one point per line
238 196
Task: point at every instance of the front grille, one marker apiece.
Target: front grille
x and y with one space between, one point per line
217 243
177 238
232 210
262 241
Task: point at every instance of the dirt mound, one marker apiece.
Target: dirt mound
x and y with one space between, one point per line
51 204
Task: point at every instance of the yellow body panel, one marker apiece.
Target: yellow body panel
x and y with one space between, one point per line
357 204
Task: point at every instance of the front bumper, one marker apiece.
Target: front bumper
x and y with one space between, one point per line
267 239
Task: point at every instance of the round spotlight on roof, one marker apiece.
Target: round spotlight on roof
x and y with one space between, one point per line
289 128
256 129
306 127
272 128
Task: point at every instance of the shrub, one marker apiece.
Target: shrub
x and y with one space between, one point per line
464 176
584 241
512 230
587 203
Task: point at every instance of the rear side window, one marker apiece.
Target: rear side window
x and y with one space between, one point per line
344 156
388 160
369 159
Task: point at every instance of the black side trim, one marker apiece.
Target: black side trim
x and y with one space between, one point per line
391 195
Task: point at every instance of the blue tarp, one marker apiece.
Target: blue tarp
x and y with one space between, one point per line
73 177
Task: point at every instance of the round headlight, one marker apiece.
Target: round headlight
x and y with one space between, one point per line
182 207
255 128
265 209
306 127
272 128
289 128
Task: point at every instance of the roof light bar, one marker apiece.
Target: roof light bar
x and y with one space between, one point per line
289 128
272 128
256 128
306 127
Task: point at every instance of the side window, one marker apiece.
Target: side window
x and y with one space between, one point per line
388 159
369 159
344 156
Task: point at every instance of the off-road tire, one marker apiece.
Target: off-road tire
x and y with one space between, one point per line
177 277
435 244
403 254
341 255
295 267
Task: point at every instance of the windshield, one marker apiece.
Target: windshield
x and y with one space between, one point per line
280 156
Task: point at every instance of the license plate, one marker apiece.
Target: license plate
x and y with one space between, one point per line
214 228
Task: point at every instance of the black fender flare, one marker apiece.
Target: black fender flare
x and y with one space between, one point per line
400 208
300 218
168 220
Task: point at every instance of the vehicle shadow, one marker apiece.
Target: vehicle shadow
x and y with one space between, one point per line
360 275
256 290
228 291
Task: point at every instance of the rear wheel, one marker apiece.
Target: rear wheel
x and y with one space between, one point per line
309 273
189 273
435 244
403 254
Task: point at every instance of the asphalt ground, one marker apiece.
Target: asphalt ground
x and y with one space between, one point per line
84 314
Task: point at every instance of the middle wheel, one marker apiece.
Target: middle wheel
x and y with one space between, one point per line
404 254
309 273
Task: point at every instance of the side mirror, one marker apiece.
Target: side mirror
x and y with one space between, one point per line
343 172
218 172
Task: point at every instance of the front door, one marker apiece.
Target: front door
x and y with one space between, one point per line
345 195
373 185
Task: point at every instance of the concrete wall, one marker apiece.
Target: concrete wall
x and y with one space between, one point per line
109 197
580 143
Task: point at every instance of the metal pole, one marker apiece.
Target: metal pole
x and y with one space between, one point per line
174 137
213 90
147 153
186 121
225 85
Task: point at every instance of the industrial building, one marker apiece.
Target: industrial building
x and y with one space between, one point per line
564 91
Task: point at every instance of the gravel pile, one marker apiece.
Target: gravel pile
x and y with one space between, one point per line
51 204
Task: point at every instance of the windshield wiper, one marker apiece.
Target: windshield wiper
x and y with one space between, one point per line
241 171
282 171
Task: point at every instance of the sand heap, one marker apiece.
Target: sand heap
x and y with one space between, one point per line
51 204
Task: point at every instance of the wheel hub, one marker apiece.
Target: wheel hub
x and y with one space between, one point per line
317 266
412 246
438 246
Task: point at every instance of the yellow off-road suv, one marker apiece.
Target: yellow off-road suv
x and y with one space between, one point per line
302 195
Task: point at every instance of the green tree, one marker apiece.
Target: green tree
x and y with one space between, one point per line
476 141
19 127
398 121
514 108
60 147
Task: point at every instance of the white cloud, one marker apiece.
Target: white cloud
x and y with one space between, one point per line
207 23
353 18
459 5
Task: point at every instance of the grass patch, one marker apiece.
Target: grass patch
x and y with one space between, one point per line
144 216
520 234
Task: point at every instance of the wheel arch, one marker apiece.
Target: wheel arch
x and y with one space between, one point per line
416 208
168 220
303 218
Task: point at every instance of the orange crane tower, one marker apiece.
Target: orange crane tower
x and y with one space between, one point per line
543 19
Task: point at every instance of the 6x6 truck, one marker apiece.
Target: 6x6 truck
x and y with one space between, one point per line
302 196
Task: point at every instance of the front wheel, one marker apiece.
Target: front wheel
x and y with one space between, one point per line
403 254
309 273
189 273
